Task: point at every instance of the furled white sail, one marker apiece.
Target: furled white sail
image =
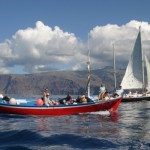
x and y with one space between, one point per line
133 78
148 73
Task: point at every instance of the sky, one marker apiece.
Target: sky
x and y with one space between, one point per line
51 35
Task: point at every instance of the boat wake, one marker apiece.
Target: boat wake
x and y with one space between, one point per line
104 113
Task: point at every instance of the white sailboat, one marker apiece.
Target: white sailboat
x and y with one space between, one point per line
134 75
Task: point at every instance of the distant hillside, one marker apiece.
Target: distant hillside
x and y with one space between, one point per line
58 82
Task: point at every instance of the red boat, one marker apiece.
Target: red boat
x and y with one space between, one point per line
30 108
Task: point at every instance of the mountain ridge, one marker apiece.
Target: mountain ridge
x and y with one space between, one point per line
58 82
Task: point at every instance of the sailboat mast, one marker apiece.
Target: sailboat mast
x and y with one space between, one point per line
89 73
114 59
143 81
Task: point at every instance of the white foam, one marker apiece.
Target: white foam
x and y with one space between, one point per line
104 113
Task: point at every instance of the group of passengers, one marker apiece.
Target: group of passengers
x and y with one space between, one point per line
103 95
68 100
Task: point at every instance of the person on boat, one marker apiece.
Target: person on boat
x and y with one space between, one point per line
47 101
46 98
106 95
81 99
115 95
120 91
69 99
102 91
5 99
45 93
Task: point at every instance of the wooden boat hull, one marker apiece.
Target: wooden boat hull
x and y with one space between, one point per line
58 110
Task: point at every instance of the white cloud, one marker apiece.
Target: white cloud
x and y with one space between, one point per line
123 37
43 48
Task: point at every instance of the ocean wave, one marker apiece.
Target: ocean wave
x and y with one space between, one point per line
26 139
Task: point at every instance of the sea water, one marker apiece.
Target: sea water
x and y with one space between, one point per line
126 129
